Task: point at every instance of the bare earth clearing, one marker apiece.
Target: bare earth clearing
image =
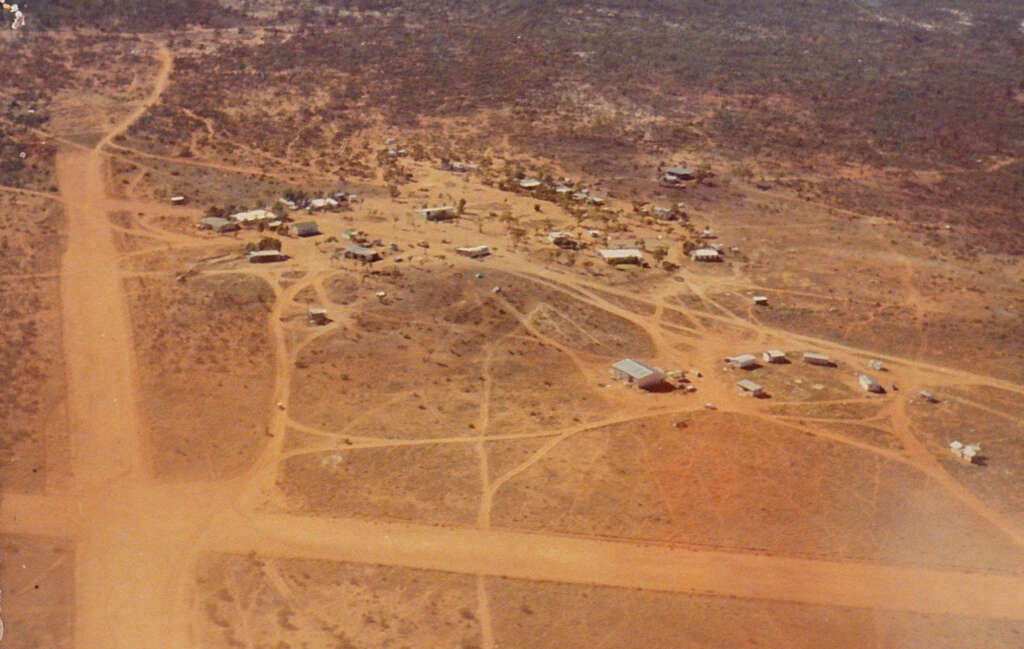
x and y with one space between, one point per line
448 464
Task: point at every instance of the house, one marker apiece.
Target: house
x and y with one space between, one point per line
217 224
177 200
474 252
870 384
288 203
304 229
774 356
616 256
637 373
563 190
318 204
743 361
814 358
252 217
761 300
442 213
562 239
360 253
529 184
751 388
265 256
317 315
706 254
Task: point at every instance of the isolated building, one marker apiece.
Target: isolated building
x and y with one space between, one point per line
360 253
814 358
621 256
870 384
750 387
217 224
474 252
265 256
706 254
177 200
637 373
774 356
304 229
441 213
317 315
761 300
529 183
743 361
680 173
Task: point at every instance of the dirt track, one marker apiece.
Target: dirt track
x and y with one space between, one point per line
137 539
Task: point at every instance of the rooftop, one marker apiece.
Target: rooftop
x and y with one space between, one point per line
635 369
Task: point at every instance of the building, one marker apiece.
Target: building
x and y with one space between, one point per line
743 361
252 217
814 358
966 452
529 184
474 252
706 254
562 239
774 356
318 204
761 300
441 213
751 388
876 365
680 173
637 373
618 256
317 315
563 190
870 384
217 224
177 200
360 253
265 256
304 229
288 203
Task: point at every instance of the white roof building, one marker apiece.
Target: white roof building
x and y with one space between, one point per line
749 386
706 254
814 358
870 384
774 356
323 203
253 216
529 183
473 251
621 256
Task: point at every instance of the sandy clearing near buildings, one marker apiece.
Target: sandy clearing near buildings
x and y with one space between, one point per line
653 567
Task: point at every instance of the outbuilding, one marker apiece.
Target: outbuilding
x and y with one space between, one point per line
748 386
265 256
304 229
618 256
706 254
743 361
637 373
761 300
814 358
317 315
363 254
217 224
441 213
870 384
774 356
474 252
177 200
